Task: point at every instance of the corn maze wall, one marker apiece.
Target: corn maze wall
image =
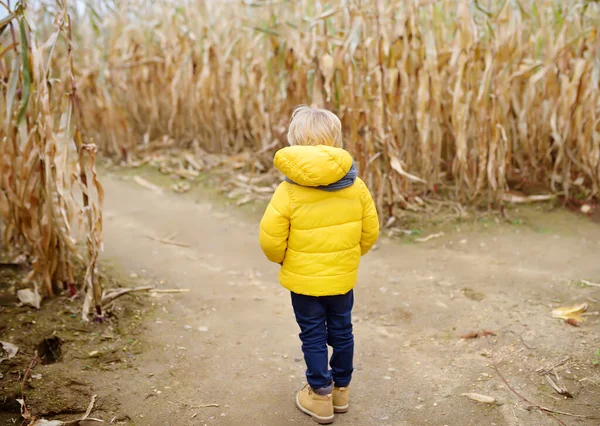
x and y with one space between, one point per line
466 98
50 197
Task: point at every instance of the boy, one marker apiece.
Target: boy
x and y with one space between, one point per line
319 222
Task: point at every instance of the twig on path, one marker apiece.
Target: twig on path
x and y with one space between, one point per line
118 293
32 365
590 284
90 407
110 297
429 237
206 406
168 241
561 390
522 199
25 412
539 407
548 411
89 410
547 370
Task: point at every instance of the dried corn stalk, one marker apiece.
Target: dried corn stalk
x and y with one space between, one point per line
477 96
44 165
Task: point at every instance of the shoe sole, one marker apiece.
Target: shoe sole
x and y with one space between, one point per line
340 410
318 419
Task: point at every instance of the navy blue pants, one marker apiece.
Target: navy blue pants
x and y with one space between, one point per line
326 320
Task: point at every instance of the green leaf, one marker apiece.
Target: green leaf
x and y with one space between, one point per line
310 79
534 12
95 26
267 31
26 72
490 29
12 89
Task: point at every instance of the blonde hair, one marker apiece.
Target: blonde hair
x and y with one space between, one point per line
314 126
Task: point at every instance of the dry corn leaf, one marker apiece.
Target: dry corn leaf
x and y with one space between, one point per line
512 197
571 314
397 166
7 351
29 297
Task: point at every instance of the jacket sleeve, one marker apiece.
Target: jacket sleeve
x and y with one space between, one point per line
275 225
370 221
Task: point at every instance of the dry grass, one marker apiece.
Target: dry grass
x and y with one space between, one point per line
460 96
45 166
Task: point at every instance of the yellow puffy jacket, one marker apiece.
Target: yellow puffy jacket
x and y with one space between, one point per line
316 230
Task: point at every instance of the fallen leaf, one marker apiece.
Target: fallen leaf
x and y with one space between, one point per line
30 298
571 314
470 335
480 398
476 334
145 184
8 351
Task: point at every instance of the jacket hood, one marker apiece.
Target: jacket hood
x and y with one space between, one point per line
314 166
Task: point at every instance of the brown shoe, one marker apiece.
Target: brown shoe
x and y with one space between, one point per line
341 398
319 407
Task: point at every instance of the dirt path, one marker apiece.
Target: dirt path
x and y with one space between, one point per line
232 340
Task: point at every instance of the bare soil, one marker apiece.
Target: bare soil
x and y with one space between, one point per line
63 350
227 351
